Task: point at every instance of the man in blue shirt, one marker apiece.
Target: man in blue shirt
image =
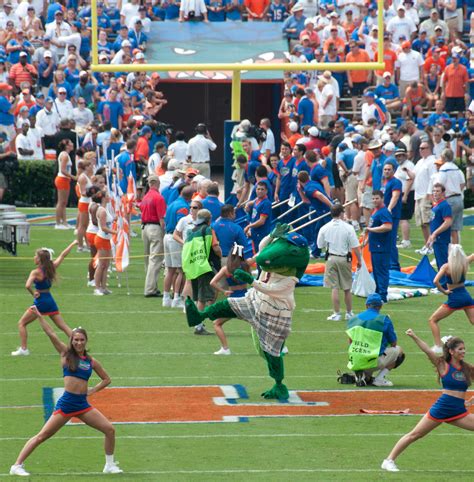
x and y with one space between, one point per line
392 189
228 232
294 24
438 116
312 193
306 108
380 233
389 92
7 119
284 184
390 355
261 216
111 110
127 165
172 249
211 201
440 226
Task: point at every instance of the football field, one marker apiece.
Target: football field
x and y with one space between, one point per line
182 413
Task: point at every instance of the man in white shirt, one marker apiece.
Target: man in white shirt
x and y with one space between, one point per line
171 167
57 28
24 149
82 116
434 21
47 118
452 178
146 22
339 239
35 136
408 67
178 150
401 26
126 49
327 103
334 22
199 148
8 15
405 173
129 10
424 169
268 145
154 161
63 106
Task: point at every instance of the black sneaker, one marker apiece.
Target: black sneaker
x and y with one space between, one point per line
157 294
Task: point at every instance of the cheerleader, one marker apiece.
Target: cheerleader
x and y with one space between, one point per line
454 272
63 182
102 242
455 376
84 181
42 278
77 367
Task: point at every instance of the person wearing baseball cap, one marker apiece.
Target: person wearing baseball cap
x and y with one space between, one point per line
409 67
401 25
389 92
376 333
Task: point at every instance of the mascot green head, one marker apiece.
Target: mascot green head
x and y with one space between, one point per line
287 254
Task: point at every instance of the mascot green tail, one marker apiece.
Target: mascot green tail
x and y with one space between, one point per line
269 303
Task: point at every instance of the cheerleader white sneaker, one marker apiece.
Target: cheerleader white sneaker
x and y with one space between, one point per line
98 292
21 352
112 468
19 470
222 351
166 302
390 466
334 317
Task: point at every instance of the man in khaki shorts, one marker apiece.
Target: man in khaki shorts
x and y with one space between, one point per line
339 239
424 169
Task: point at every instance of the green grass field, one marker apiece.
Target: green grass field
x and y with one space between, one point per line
141 344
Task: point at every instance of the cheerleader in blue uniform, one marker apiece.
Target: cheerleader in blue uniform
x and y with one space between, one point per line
77 367
235 289
454 272
42 278
455 376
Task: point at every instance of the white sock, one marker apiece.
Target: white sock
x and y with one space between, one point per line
109 459
177 296
166 294
382 373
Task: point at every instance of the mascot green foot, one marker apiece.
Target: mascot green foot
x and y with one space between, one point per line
277 372
221 309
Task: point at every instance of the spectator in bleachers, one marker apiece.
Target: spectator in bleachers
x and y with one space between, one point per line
434 21
401 25
8 15
408 67
294 24
57 28
455 79
234 10
422 44
415 98
389 92
193 10
128 12
437 117
358 80
22 72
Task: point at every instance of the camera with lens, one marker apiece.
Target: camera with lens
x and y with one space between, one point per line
257 132
162 128
447 137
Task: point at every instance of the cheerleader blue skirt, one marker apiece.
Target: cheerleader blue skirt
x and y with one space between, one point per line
71 405
448 408
46 304
459 299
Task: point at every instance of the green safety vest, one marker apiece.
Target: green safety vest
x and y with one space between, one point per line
195 254
366 336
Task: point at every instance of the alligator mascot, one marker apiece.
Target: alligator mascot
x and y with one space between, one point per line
269 303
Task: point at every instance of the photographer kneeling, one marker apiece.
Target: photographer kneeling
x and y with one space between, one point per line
373 345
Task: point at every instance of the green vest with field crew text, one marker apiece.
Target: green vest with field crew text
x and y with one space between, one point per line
366 336
195 254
